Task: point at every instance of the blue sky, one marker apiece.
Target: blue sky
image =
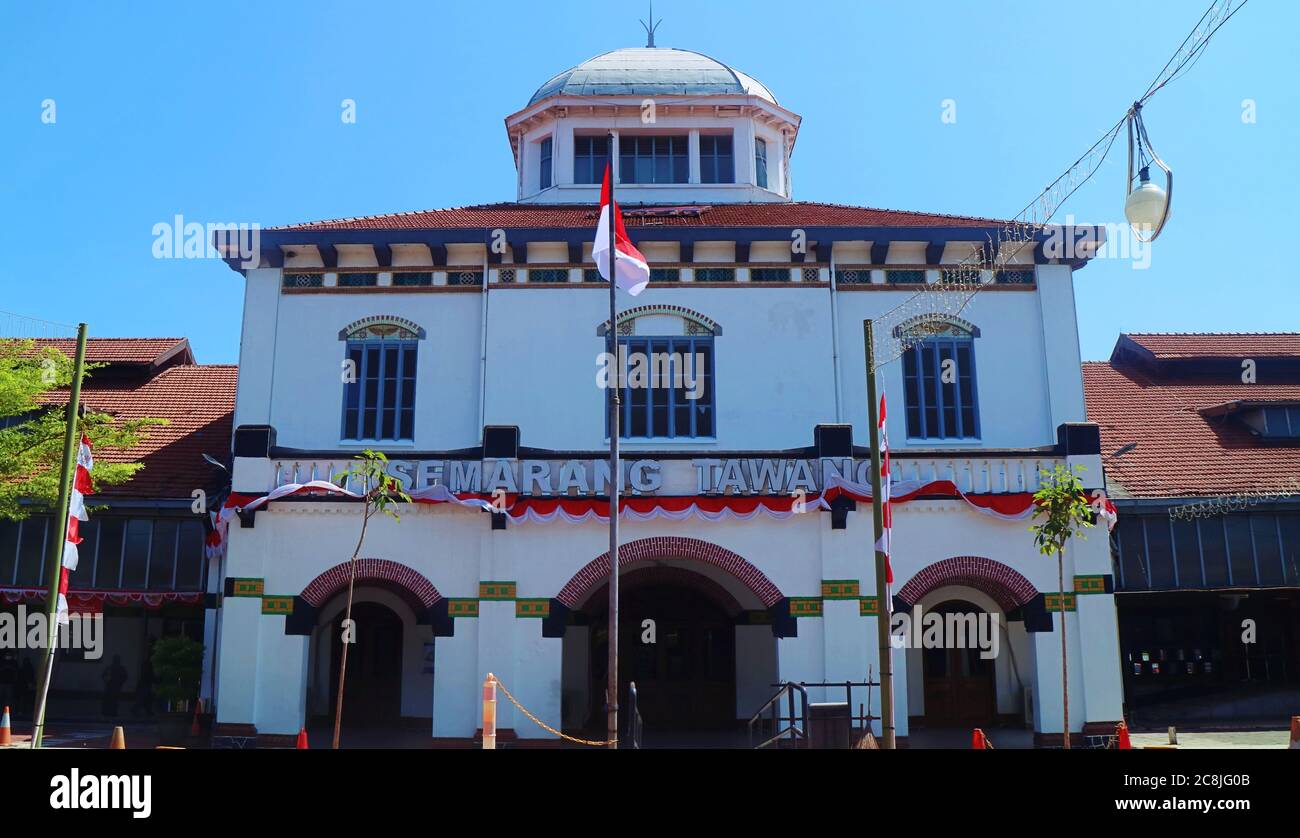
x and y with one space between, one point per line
230 113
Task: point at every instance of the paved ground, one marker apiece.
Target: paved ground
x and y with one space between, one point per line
144 735
1233 739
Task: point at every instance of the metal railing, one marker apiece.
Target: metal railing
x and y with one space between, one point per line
811 726
632 739
792 727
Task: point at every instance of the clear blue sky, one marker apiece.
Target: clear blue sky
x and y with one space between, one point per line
230 112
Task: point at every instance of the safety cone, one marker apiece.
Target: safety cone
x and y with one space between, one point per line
6 732
195 730
118 742
1122 742
1295 731
978 741
302 740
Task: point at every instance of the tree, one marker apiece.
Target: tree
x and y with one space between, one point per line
1063 504
381 492
31 430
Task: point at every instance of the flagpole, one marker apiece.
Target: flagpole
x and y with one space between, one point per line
615 403
885 608
54 564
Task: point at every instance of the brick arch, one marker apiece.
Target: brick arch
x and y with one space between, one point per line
1008 588
406 582
669 547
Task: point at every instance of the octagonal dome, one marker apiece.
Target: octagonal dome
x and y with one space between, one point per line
650 71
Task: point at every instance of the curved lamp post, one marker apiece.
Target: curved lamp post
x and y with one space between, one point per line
1147 206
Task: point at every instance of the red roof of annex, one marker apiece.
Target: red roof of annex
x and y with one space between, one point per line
197 400
1184 449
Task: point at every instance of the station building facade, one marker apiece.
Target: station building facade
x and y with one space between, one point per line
465 343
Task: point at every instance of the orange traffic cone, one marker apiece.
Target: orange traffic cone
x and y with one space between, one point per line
195 730
302 740
6 732
118 742
1122 742
1295 730
978 741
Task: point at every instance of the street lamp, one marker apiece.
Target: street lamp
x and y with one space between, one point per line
1147 206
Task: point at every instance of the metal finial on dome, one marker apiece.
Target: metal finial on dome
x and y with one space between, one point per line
651 26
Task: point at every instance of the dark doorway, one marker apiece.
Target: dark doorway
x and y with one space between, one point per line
959 688
686 679
373 693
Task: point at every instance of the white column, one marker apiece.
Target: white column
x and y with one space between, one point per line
693 152
257 346
538 670
1060 343
281 679
457 683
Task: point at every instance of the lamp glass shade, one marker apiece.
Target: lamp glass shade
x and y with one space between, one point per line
1145 206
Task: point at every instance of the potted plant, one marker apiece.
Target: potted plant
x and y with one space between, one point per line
177 668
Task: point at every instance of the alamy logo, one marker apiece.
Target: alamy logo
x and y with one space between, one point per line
112 791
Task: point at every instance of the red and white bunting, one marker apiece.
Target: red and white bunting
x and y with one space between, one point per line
886 508
82 485
1015 506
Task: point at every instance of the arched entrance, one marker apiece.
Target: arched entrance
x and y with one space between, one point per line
677 642
960 690
956 686
390 665
713 658
372 692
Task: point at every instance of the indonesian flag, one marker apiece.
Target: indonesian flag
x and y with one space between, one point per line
886 508
81 486
632 271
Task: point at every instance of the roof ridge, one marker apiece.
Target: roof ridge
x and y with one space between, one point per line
520 206
1211 334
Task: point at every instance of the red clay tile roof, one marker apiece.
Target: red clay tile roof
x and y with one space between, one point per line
121 350
513 215
199 402
1166 347
1180 451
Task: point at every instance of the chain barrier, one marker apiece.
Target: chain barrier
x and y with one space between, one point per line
595 743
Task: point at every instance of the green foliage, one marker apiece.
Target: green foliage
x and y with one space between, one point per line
1063 504
32 429
382 491
177 668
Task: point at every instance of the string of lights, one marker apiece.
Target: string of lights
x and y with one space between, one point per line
926 311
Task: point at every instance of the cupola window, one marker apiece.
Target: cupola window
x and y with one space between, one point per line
717 163
653 159
590 155
545 163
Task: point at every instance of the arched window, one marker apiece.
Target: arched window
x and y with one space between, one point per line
379 372
939 387
667 373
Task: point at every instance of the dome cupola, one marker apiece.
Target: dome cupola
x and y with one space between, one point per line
687 129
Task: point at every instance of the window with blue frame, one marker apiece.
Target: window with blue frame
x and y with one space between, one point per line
590 155
653 159
545 171
939 388
717 164
667 387
379 389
